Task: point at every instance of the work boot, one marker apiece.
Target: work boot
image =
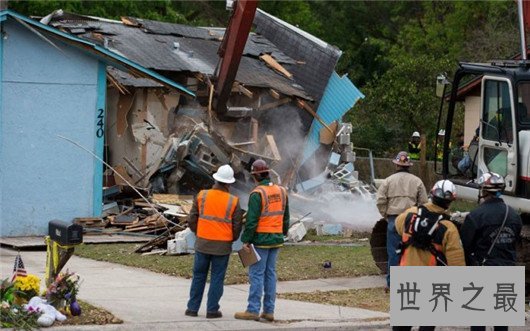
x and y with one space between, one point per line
267 317
190 313
246 315
214 314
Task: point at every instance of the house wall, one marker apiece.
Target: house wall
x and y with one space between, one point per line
46 92
471 117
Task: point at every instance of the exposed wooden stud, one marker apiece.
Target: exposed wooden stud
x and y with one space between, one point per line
274 148
143 117
125 102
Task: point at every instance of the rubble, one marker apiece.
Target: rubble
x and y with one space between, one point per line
163 142
131 214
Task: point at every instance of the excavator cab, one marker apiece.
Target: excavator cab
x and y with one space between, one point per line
489 104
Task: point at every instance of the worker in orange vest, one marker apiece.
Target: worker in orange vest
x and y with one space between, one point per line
216 220
267 224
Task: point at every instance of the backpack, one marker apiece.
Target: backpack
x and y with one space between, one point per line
424 231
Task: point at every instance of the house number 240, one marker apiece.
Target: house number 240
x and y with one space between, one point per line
99 125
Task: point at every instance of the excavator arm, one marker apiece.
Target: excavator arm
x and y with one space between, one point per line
231 51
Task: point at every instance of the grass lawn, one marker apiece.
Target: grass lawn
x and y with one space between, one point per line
90 315
369 298
463 205
356 237
294 263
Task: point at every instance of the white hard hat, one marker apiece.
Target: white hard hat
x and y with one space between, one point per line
491 182
225 174
444 189
441 132
416 134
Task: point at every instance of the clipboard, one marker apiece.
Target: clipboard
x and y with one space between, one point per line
249 257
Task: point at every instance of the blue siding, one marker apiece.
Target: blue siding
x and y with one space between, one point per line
100 138
339 97
46 92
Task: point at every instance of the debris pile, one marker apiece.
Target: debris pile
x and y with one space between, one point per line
163 141
131 215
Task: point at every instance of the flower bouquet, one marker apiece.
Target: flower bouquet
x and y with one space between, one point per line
63 291
12 315
26 287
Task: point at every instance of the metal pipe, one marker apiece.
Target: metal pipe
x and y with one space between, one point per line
521 29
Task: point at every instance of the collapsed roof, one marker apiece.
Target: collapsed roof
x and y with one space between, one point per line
178 48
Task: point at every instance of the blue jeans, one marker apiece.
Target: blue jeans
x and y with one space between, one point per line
201 266
262 276
392 243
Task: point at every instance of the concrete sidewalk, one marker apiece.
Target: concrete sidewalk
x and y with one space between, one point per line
145 299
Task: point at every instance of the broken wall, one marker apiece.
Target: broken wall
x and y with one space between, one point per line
138 127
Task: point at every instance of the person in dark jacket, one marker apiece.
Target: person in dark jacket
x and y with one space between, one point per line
486 241
216 219
267 224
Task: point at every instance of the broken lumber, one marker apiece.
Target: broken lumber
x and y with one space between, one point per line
242 89
160 239
123 172
302 104
274 148
274 94
271 62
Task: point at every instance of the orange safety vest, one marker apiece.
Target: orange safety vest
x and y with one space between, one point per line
216 209
273 201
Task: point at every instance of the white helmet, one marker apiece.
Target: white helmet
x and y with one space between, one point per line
441 132
225 174
416 134
443 193
491 182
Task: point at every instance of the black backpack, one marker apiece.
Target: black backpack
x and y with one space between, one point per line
425 230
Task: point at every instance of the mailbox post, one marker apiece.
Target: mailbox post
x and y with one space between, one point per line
60 242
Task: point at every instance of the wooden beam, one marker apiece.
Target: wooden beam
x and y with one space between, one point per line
274 148
302 104
271 62
245 91
274 94
274 104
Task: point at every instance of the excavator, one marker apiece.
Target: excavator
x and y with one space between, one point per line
500 122
497 117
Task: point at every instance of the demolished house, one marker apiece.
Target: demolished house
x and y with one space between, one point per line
52 84
285 107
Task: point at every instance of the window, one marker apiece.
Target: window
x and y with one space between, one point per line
496 160
497 112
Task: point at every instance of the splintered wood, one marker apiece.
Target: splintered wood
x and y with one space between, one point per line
165 215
